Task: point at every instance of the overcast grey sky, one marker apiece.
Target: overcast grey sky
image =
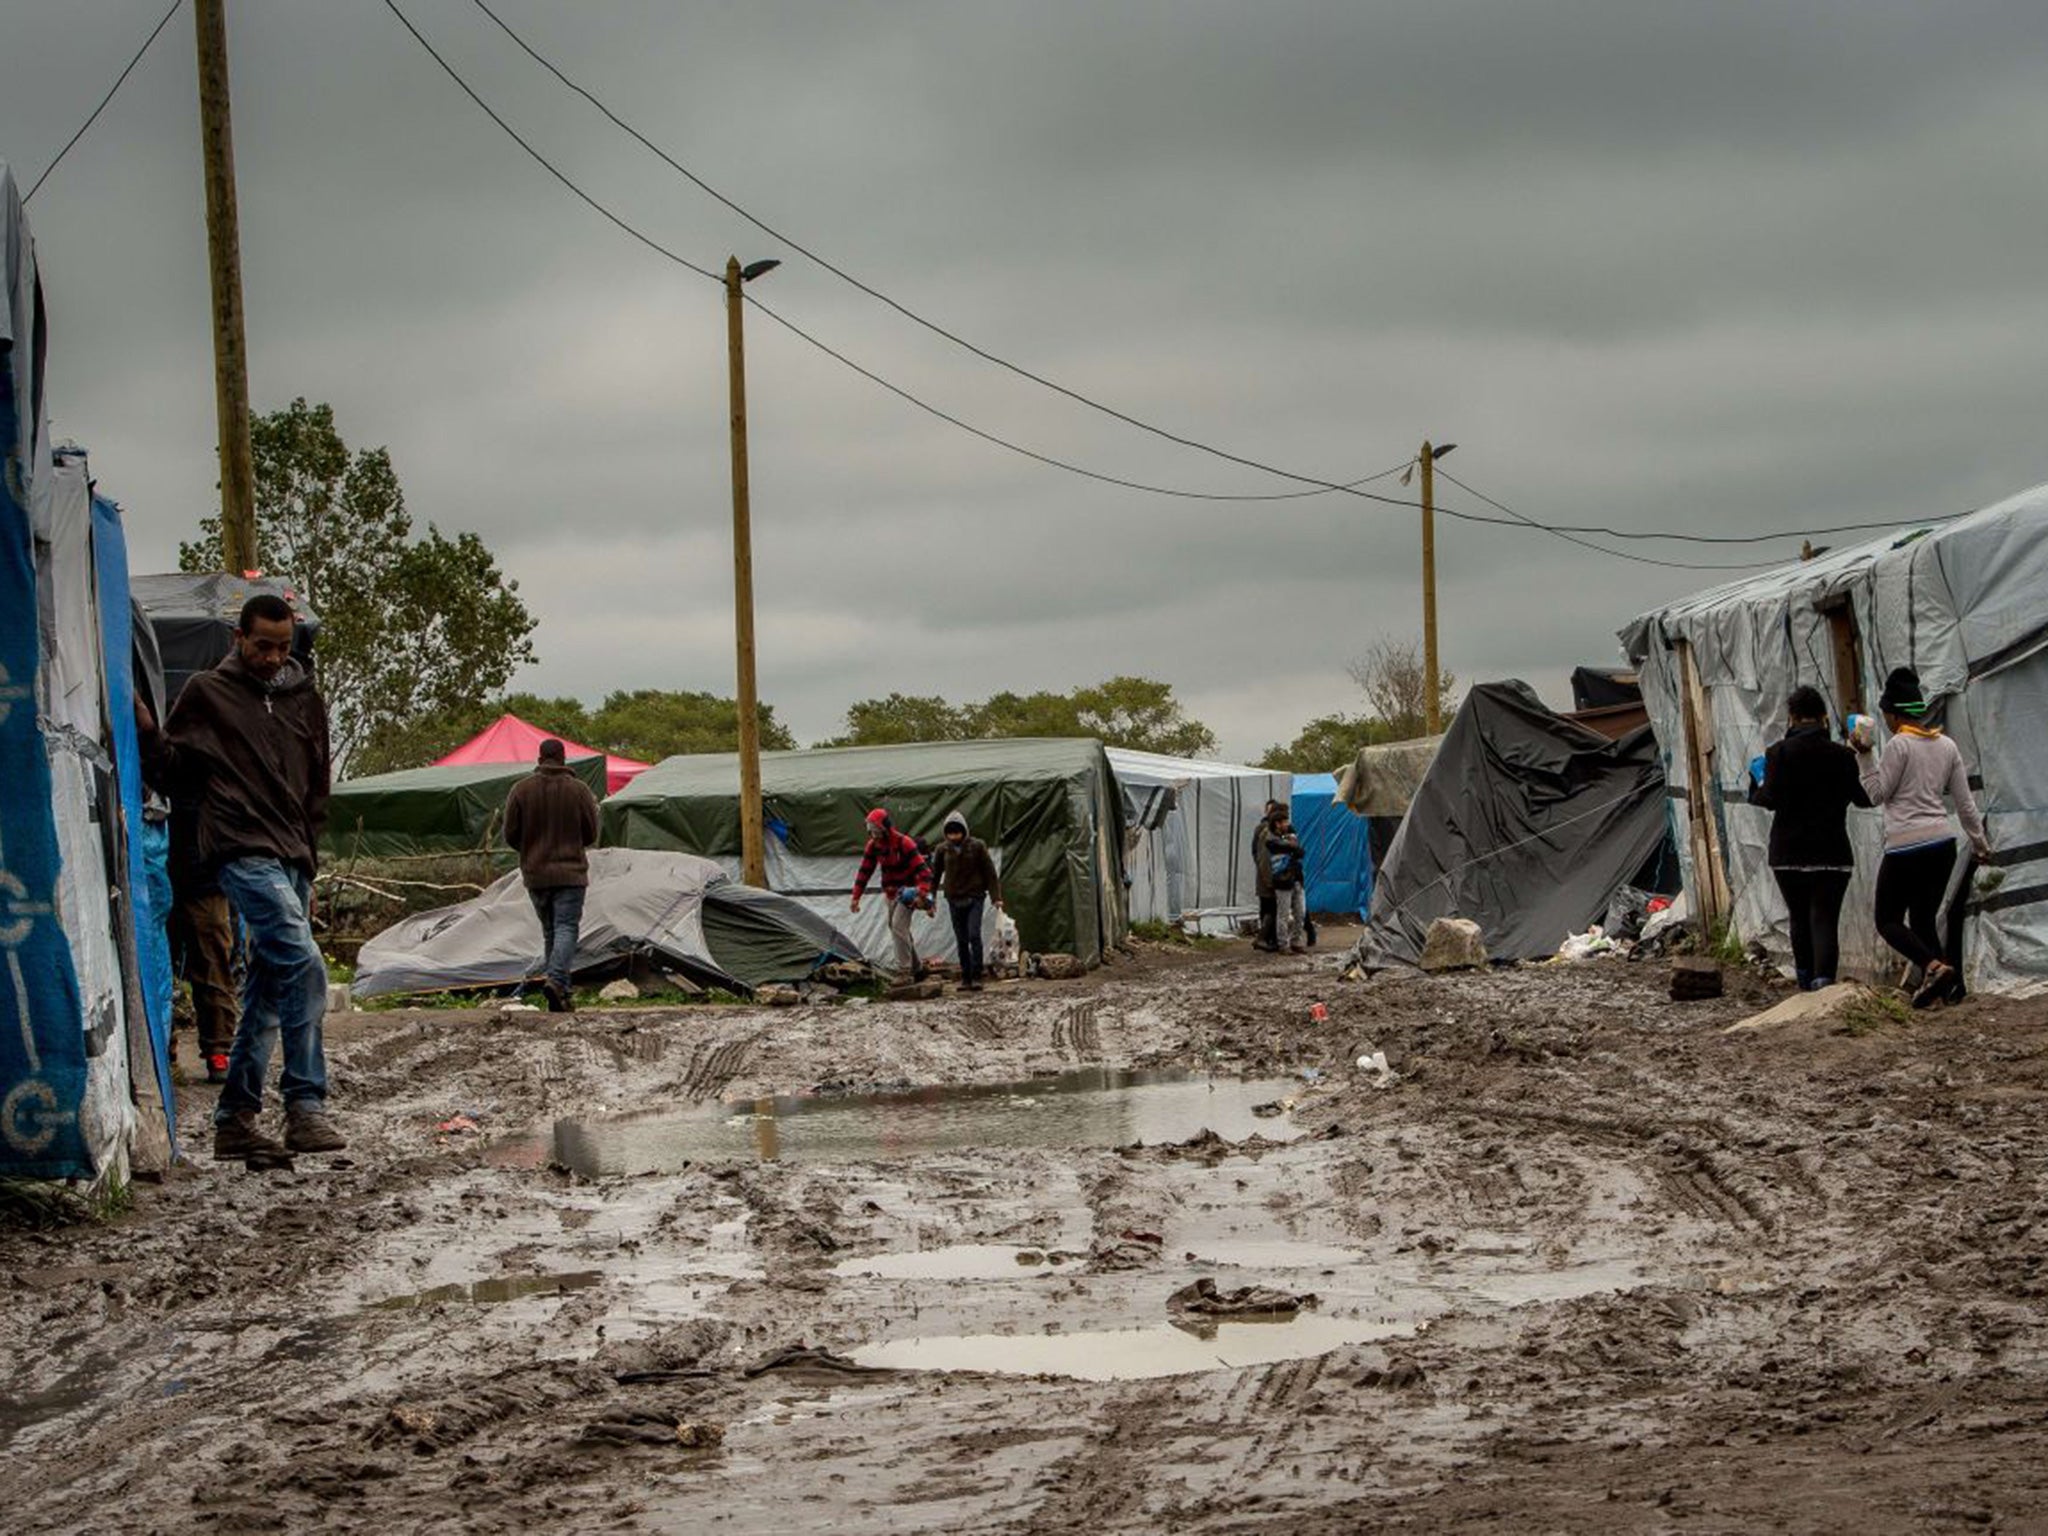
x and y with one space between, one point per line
1718 266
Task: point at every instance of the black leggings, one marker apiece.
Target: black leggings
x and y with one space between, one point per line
1910 886
1813 900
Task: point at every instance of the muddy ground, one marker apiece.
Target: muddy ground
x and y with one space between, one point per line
1589 1264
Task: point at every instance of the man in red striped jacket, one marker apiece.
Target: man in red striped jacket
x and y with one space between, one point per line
906 883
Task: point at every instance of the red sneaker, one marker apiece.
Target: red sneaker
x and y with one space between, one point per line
216 1069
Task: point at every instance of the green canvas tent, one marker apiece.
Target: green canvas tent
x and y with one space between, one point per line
1048 809
438 810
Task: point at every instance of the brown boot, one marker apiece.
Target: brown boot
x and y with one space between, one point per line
238 1137
308 1128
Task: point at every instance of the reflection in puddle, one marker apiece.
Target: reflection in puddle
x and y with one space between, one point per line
1123 1354
962 1261
488 1292
1094 1108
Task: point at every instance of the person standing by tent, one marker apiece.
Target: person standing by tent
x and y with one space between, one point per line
551 822
1809 782
1262 875
245 749
1918 765
906 884
1286 865
965 872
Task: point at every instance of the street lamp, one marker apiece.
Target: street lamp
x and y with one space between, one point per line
753 848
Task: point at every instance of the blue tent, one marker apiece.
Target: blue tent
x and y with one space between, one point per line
1338 845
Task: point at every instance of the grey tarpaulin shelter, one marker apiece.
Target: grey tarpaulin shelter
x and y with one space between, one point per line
672 907
192 617
1188 827
1964 603
1526 822
1379 783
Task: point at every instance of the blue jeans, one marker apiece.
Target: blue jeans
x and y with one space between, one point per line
285 989
560 910
967 935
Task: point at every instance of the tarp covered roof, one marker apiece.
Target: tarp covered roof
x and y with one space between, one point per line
440 810
673 907
1049 808
1527 823
192 618
509 739
1381 780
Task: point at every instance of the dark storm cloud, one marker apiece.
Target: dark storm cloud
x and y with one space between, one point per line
1712 267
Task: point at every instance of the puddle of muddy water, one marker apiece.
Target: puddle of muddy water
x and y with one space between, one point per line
1127 1354
1092 1108
489 1292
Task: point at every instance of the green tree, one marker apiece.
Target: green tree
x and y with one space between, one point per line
653 723
413 629
1326 744
1135 712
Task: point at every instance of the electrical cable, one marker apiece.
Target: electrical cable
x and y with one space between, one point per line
119 80
1320 487
1689 538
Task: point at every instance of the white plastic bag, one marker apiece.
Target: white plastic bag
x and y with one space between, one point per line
1007 949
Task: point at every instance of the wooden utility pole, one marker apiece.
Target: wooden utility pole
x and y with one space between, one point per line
1432 711
224 250
753 847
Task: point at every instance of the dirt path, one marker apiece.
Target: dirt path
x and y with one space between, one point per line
1589 1264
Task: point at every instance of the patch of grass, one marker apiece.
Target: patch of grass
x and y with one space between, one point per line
1725 944
37 1205
1874 1011
1173 936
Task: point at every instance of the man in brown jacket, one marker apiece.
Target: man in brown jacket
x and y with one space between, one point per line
966 873
244 753
551 820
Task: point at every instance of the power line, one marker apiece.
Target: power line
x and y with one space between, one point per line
1320 487
1571 537
1688 538
119 81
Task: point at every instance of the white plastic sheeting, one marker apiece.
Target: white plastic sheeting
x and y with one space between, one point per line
1188 837
1965 604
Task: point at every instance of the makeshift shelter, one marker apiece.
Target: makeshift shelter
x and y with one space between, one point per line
675 909
84 1044
1964 603
509 739
1049 811
1527 823
440 810
1188 827
1380 783
191 620
1337 844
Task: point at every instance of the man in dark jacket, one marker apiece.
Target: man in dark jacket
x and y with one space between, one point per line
244 753
1262 871
966 875
906 884
1809 783
551 820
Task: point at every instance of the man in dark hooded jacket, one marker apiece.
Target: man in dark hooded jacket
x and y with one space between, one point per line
245 753
551 821
966 874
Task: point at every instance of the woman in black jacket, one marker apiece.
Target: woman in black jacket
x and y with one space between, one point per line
1809 783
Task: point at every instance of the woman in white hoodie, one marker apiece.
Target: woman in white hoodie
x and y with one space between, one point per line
1909 778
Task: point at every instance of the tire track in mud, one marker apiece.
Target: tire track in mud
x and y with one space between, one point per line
1104 1483
1077 1033
1696 1175
714 1064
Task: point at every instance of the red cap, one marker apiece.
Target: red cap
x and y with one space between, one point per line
878 817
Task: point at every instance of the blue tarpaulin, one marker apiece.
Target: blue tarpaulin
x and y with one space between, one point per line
1336 842
117 635
42 1038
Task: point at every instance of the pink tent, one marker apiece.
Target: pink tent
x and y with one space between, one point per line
510 739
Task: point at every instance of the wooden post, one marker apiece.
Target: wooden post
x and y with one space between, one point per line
1713 900
224 252
1432 710
753 848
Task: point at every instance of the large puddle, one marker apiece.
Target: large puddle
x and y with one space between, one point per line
1125 1354
1092 1108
